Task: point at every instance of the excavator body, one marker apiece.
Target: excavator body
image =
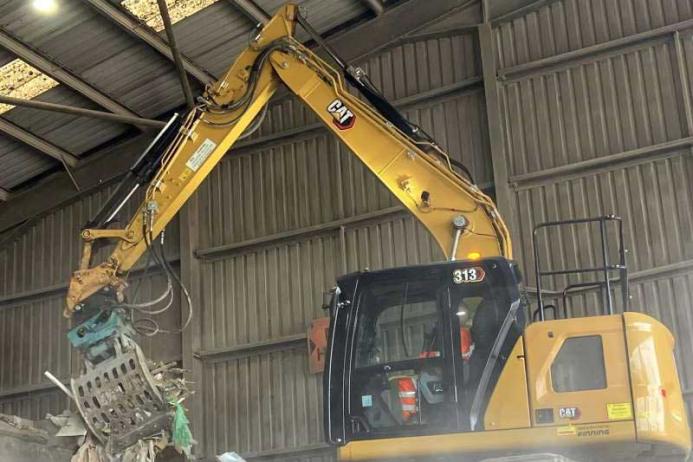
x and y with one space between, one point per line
591 388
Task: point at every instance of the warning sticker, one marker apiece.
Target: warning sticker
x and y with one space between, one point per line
619 411
593 431
200 155
566 430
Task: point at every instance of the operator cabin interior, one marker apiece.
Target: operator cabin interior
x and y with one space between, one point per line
354 230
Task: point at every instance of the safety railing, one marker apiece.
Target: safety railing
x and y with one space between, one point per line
605 271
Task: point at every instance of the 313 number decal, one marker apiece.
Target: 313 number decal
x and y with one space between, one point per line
468 275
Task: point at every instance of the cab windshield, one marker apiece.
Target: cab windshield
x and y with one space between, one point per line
422 343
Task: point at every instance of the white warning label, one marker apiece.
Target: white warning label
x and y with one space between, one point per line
200 155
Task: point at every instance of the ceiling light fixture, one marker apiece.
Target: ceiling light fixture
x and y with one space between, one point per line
45 6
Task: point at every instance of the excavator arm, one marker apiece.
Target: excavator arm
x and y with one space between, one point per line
461 218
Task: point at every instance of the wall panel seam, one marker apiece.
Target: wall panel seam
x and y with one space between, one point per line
255 348
533 67
597 164
42 293
227 250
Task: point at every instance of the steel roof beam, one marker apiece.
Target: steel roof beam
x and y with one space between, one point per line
376 6
521 11
79 111
367 38
57 72
252 10
37 143
140 31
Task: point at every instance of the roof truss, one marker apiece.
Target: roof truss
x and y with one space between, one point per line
252 11
60 74
134 27
41 145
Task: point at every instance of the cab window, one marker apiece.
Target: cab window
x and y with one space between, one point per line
398 379
407 327
579 365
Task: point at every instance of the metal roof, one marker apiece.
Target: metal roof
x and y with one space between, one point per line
108 60
116 65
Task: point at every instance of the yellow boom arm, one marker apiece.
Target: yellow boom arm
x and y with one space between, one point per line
419 174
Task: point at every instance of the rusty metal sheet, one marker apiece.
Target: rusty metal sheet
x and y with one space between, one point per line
317 344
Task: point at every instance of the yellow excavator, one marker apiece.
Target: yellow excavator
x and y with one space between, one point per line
425 362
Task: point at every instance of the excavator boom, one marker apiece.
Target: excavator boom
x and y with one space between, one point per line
417 171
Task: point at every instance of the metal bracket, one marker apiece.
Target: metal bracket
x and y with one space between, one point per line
90 235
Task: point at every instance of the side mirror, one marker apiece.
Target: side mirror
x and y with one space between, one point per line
327 298
517 272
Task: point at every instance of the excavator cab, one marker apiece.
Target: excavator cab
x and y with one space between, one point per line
418 350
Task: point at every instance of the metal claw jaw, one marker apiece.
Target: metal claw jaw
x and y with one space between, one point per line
119 400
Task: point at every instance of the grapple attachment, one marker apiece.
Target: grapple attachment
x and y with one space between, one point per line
119 400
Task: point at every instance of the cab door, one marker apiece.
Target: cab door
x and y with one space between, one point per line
577 371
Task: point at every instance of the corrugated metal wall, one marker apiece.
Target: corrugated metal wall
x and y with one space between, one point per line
594 116
595 108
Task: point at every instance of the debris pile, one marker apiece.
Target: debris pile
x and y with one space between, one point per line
132 407
23 440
